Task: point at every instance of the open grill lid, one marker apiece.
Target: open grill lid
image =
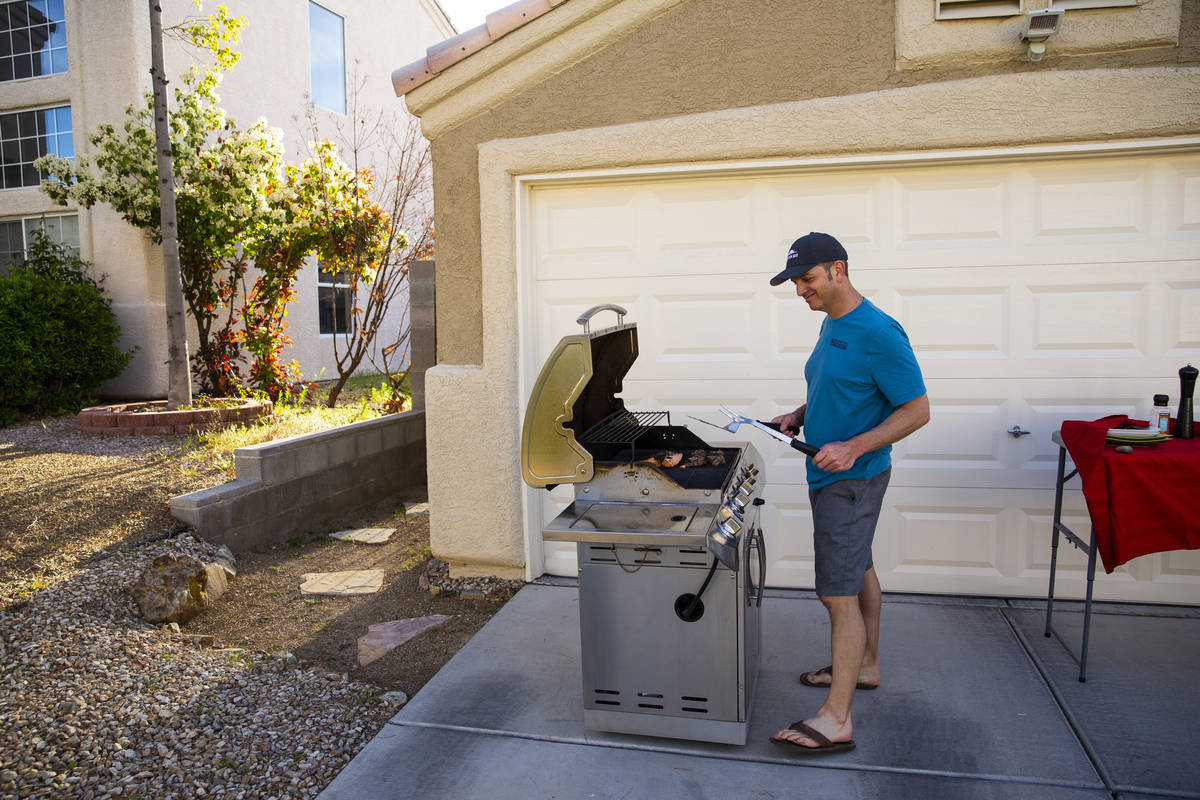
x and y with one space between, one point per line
576 391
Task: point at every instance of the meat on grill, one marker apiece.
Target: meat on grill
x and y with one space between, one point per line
664 458
695 458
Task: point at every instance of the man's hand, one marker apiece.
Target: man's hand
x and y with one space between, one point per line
836 457
791 423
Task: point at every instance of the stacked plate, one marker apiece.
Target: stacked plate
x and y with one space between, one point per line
1135 436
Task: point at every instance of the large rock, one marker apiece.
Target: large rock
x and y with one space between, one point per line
177 588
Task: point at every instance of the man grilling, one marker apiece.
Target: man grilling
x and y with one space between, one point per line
865 392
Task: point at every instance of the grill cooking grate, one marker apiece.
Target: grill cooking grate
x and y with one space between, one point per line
624 427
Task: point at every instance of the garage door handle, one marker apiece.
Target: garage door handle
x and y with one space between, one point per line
1016 431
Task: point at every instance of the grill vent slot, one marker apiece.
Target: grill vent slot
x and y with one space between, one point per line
602 553
609 693
645 696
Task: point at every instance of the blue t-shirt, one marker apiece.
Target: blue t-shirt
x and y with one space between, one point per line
861 369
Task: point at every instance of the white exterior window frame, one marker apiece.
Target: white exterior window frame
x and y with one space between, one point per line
1075 5
326 280
30 223
975 9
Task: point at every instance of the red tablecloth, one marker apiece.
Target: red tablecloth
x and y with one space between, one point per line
1140 502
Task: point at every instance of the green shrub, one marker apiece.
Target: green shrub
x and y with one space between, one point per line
58 336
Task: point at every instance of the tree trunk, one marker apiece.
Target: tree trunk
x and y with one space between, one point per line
179 385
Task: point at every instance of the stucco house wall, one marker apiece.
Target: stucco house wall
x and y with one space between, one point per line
109 55
595 84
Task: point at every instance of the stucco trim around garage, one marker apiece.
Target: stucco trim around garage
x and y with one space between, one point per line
1061 112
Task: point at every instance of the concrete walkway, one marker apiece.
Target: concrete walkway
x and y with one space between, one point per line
975 703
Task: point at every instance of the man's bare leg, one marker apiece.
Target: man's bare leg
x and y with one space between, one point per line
848 635
870 602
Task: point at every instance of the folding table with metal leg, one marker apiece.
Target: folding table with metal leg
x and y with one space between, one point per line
1058 527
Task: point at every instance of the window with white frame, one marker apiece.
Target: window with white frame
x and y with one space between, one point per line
334 299
976 9
327 58
16 235
33 39
26 136
1077 4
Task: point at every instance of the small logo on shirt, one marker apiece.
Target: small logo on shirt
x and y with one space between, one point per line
838 343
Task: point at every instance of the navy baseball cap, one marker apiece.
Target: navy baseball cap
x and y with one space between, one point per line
807 252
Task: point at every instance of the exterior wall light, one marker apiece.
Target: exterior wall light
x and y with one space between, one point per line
1040 26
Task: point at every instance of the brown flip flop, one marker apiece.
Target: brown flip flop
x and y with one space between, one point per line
824 745
807 679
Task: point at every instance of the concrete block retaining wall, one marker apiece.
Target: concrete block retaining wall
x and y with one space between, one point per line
308 483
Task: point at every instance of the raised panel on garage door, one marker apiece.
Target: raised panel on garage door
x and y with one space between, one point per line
1033 292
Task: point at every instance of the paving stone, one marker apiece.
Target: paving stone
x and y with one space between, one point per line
417 510
384 636
365 535
348 582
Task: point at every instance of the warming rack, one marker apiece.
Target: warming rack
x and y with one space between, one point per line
624 427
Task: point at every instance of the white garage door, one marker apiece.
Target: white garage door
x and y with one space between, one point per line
1033 291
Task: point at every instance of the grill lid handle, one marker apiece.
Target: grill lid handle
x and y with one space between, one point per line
586 317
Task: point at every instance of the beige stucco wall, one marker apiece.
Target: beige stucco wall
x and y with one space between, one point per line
690 59
685 86
109 55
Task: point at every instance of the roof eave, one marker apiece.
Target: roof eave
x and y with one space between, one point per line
478 74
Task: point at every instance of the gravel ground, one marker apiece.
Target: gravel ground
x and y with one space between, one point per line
96 702
99 703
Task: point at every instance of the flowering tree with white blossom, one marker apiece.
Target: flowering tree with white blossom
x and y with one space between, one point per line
239 205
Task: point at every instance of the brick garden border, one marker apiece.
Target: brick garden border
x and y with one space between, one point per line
140 419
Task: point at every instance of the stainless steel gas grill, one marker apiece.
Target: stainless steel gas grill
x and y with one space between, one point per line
671 555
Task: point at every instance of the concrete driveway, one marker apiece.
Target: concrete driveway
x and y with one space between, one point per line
975 703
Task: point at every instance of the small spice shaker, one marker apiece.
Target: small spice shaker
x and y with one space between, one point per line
1187 385
1162 414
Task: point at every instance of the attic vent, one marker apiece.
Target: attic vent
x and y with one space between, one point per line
977 9
1071 4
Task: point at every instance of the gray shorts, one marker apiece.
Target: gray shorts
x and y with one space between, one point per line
844 517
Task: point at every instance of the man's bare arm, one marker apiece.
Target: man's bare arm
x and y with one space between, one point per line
840 456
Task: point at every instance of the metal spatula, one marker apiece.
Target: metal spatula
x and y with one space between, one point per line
768 428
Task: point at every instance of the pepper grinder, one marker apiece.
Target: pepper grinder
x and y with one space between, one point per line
1187 385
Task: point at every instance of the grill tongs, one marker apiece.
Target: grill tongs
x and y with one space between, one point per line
769 428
